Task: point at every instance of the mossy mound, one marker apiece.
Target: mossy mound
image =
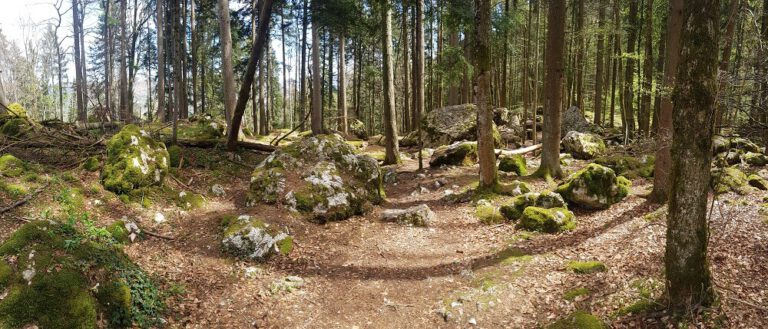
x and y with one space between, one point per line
744 144
10 166
487 213
456 154
321 176
582 145
550 220
513 188
16 110
175 154
594 187
447 125
588 267
91 164
513 163
14 122
248 237
12 191
134 160
578 320
513 209
729 179
757 182
629 166
202 126
59 278
755 159
357 128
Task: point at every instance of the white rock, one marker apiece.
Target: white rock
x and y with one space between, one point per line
159 218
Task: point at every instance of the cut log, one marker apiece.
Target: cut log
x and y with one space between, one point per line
523 150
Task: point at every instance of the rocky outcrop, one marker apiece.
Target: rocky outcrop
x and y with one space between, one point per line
447 125
583 145
757 182
419 215
248 237
594 187
134 160
513 209
320 176
357 128
629 166
574 120
730 179
513 163
456 154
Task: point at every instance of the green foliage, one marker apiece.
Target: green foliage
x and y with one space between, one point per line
588 267
575 293
14 127
92 164
16 110
15 191
578 320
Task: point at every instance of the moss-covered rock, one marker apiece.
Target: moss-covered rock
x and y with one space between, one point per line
59 278
357 128
321 176
578 320
550 220
587 267
513 188
10 166
594 187
248 237
583 145
456 154
744 144
513 163
419 215
447 125
629 166
91 164
16 110
513 209
720 144
755 159
487 213
757 182
729 179
14 122
203 126
134 160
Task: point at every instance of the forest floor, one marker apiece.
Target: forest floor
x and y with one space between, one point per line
366 273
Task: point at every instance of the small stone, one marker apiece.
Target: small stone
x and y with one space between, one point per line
218 190
472 321
419 215
159 218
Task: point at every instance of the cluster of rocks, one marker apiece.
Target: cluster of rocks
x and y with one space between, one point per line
544 212
448 125
731 157
737 150
251 238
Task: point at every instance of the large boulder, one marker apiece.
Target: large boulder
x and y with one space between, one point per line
248 237
757 182
52 276
448 125
594 187
549 220
14 122
513 209
357 128
583 145
320 176
419 215
629 166
574 120
456 154
730 179
134 160
513 163
755 159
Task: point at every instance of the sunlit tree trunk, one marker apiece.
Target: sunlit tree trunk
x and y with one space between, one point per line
160 24
645 103
482 91
392 154
317 114
226 59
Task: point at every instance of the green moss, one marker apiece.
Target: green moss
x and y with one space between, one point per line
575 293
757 182
92 164
14 127
547 220
31 177
488 214
578 320
512 188
588 267
134 160
639 307
5 274
15 191
457 154
594 187
514 163
116 303
729 179
188 200
628 166
513 209
16 110
285 246
10 166
119 232
513 255
175 154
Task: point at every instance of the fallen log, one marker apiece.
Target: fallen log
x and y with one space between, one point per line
95 125
523 150
211 143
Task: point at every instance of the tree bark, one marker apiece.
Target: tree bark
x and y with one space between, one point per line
392 154
107 57
256 54
482 97
725 59
160 23
342 105
317 91
599 63
125 115
418 73
553 97
194 50
687 269
629 113
79 84
226 59
645 112
303 96
406 81
663 164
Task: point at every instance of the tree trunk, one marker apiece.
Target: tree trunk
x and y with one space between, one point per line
663 165
406 71
303 96
286 123
725 60
194 51
418 72
160 23
645 112
580 57
392 154
107 57
616 70
629 113
598 102
79 85
342 86
687 269
124 114
482 97
317 91
226 59
553 97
